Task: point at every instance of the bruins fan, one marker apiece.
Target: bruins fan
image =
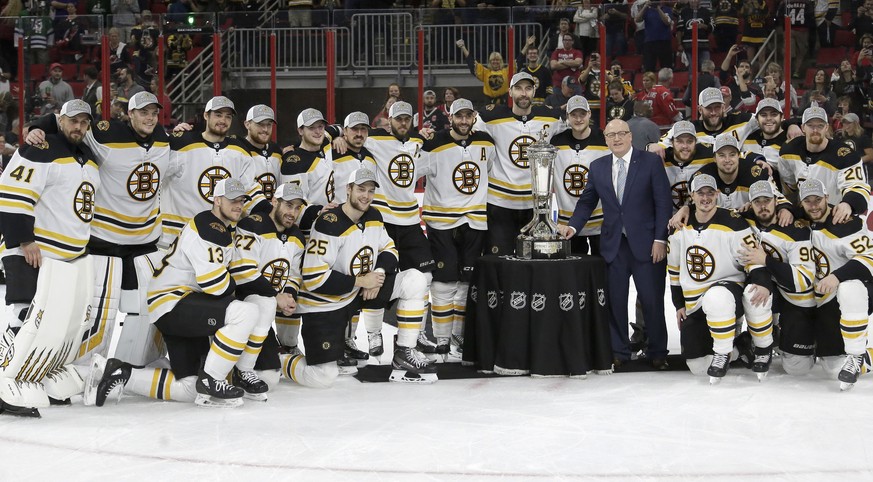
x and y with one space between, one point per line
836 165
787 255
266 154
577 147
47 198
309 163
198 161
769 136
349 259
683 159
191 298
509 183
844 271
355 131
455 164
273 245
711 289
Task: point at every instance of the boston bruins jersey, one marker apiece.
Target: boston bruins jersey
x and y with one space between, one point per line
312 171
345 164
769 148
700 255
338 250
735 194
267 162
275 257
509 180
571 173
837 166
396 163
679 174
738 126
195 166
47 195
196 262
789 260
457 176
844 250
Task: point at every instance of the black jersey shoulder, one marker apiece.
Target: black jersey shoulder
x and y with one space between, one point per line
211 229
259 224
843 230
56 147
727 218
299 160
332 222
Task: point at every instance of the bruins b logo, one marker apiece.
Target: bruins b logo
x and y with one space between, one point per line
276 272
518 151
142 184
83 204
575 177
207 181
771 251
822 265
363 262
700 263
680 194
466 177
401 170
268 185
330 188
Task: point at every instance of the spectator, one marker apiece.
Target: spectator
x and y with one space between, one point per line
166 104
586 27
591 92
124 14
557 41
726 23
69 43
124 79
706 79
529 61
119 56
449 96
300 13
618 105
433 116
774 77
382 120
659 97
690 15
118 110
846 84
855 137
801 14
565 61
394 91
825 12
569 88
863 21
643 129
659 25
178 10
60 9
862 59
54 91
93 88
756 19
820 92
38 32
744 93
639 25
494 76
615 23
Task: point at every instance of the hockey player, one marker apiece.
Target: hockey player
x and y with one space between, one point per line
769 136
355 155
685 156
711 289
577 147
309 163
266 154
350 258
191 298
455 164
843 255
509 184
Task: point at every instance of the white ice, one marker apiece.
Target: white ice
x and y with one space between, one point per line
638 426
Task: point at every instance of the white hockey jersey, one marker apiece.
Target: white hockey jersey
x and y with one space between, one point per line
679 174
571 173
769 148
266 162
838 166
343 167
396 163
312 171
275 256
791 262
844 250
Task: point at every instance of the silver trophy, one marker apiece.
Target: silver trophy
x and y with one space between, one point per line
539 239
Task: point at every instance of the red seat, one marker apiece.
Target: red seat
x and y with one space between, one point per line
71 71
680 81
830 56
844 38
37 72
78 88
633 63
158 7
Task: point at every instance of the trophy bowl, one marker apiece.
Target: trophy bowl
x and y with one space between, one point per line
539 239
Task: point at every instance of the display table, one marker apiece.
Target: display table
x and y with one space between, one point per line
538 317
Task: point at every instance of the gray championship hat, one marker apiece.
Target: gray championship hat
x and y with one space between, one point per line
230 188
219 102
141 100
74 107
725 140
400 108
461 104
701 181
289 192
761 189
810 187
308 117
684 127
356 119
578 102
814 112
521 76
851 118
429 92
259 113
709 96
363 175
768 103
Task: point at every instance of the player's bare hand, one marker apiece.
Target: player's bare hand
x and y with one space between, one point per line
744 208
827 285
531 39
373 279
183 127
35 137
794 131
460 44
426 132
370 293
784 217
765 166
32 254
842 213
286 304
565 231
659 252
680 317
756 255
287 148
680 218
760 295
657 149
340 145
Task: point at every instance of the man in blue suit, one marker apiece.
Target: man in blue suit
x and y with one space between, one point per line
634 192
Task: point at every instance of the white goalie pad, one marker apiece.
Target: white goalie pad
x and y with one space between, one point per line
107 292
140 343
63 383
23 394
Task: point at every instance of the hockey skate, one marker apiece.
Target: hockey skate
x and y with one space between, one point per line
290 350
376 346
851 369
424 344
410 366
347 365
761 364
253 387
444 346
351 350
212 392
718 367
107 377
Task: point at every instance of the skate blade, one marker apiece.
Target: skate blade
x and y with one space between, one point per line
403 376
714 380
98 366
17 411
204 400
846 386
256 397
762 376
348 371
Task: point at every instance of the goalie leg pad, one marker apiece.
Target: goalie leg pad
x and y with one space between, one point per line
21 394
140 343
63 383
107 293
797 364
699 366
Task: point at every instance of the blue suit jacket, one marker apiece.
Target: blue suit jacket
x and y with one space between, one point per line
644 212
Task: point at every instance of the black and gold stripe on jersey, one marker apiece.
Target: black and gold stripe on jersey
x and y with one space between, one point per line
118 223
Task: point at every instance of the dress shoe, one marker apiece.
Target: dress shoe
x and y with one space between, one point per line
660 364
618 363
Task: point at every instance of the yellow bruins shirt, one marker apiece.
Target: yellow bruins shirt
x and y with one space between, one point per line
844 250
571 173
337 251
267 162
509 180
312 171
345 164
270 254
702 254
680 173
457 175
47 195
396 163
789 259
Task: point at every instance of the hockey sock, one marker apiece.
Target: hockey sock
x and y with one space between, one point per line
161 384
353 327
230 341
460 304
314 376
442 308
288 329
373 320
266 314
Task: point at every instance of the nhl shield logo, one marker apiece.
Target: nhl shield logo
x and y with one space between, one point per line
565 301
538 302
581 300
492 299
601 297
518 300
474 294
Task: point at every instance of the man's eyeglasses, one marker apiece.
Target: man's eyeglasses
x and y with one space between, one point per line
613 135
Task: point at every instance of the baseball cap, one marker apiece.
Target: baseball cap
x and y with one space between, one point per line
725 90
761 189
814 112
356 119
429 92
709 96
141 100
363 175
701 181
400 108
684 127
578 102
521 76
768 103
307 117
289 192
259 113
219 102
55 66
725 140
850 117
461 104
811 187
568 80
72 108
230 188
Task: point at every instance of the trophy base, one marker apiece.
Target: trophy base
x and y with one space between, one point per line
532 248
